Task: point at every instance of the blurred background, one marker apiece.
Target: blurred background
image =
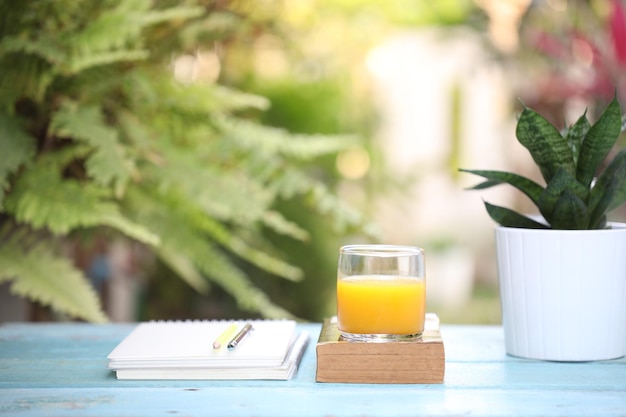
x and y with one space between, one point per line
406 91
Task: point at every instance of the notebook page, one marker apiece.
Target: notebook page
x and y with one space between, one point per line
190 344
287 370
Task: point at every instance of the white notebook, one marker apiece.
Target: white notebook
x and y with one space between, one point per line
184 350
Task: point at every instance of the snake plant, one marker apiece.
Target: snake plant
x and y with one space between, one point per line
582 186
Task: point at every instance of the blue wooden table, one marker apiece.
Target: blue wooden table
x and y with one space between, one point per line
61 370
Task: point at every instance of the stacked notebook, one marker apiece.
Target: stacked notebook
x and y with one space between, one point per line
272 349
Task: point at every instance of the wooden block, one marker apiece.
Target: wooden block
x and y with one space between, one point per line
409 362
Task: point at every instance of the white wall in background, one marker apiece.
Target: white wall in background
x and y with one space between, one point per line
414 75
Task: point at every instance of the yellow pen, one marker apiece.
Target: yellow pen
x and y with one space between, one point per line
224 337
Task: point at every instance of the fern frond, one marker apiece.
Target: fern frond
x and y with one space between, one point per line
184 267
170 14
275 141
224 195
24 76
122 145
169 203
128 18
135 132
41 275
232 100
118 26
186 243
41 198
344 217
293 182
239 247
82 62
195 100
84 123
18 148
222 271
275 221
112 28
43 48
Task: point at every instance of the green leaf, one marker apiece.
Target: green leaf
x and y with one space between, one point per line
575 135
525 185
178 13
17 148
28 66
291 183
548 148
231 99
186 243
43 48
103 41
43 199
279 224
192 103
485 184
107 164
112 28
249 298
509 218
570 213
82 62
241 248
224 195
52 280
598 142
275 141
551 196
609 191
131 124
183 267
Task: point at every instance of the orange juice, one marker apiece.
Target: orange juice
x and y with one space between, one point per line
379 304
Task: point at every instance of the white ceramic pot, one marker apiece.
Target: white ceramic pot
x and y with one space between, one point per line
563 292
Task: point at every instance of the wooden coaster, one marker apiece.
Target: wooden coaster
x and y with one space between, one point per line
420 361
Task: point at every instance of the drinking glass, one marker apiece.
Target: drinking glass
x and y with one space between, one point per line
381 292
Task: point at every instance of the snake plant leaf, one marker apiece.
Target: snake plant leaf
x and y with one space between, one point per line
525 185
551 195
598 143
575 135
548 148
609 191
570 213
569 161
509 218
485 184
601 223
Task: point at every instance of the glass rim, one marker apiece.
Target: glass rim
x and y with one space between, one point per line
381 250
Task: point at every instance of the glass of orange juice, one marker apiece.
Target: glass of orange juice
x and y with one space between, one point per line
381 292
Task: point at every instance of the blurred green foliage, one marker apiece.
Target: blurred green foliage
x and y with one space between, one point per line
225 178
108 134
310 64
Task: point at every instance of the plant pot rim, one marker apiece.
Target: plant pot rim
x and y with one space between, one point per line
615 226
